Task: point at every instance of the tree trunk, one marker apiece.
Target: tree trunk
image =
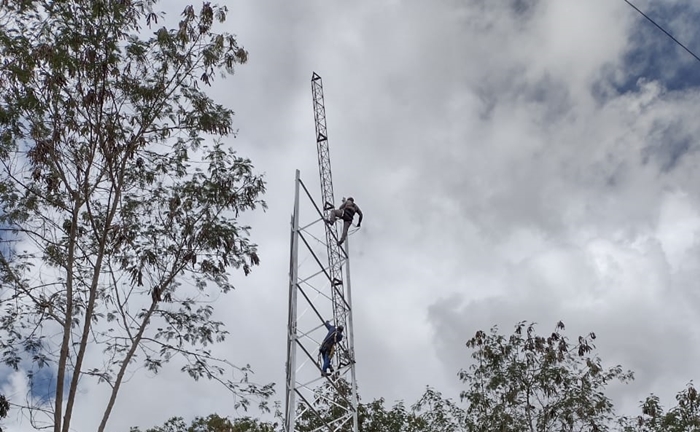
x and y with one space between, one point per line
65 343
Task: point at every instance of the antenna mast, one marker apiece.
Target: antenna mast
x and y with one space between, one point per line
338 393
341 309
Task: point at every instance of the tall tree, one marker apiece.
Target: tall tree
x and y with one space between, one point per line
528 382
684 417
114 176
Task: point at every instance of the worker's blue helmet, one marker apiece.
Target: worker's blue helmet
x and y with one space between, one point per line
351 199
340 328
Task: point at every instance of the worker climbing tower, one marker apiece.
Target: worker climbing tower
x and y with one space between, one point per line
319 291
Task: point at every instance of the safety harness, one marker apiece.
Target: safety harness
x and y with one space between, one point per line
349 213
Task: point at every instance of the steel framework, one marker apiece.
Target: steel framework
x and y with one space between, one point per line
319 291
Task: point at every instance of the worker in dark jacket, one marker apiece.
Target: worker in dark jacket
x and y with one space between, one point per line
346 212
327 349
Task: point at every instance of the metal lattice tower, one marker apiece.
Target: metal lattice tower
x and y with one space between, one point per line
319 291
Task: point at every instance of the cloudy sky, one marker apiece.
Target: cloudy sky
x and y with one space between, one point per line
515 160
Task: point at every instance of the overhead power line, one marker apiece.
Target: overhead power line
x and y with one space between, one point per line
662 29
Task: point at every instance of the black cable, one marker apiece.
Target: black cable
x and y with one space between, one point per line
661 28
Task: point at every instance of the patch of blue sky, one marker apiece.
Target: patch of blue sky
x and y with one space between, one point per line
653 56
43 384
41 381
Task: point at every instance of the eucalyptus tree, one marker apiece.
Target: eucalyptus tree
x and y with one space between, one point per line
122 193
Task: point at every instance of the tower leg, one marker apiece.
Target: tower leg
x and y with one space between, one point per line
292 324
351 343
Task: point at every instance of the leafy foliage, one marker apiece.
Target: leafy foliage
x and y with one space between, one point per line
523 382
431 413
374 416
528 382
4 407
212 423
684 417
565 383
114 178
331 404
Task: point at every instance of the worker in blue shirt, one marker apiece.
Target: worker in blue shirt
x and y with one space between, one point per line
335 335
